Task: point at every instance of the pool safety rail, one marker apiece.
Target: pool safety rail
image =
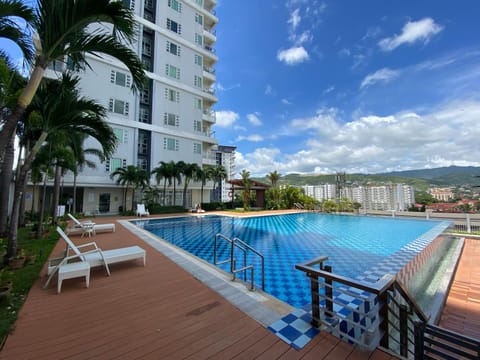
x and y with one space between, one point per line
238 244
379 314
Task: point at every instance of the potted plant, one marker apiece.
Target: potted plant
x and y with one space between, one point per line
18 261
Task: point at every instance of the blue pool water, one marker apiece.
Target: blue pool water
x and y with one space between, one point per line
353 244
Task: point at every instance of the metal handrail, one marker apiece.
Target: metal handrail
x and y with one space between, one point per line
244 247
401 320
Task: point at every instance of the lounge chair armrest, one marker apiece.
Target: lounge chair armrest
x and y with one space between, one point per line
88 244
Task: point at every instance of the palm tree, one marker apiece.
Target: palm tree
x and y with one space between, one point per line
217 174
131 176
274 176
57 107
246 189
63 29
10 84
202 175
189 172
11 30
165 172
177 178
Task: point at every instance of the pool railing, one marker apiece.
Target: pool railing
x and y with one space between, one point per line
378 314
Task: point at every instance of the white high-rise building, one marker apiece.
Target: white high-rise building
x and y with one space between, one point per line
172 118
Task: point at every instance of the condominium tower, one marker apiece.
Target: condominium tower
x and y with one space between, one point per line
171 118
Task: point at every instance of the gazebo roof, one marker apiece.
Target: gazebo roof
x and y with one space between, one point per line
255 185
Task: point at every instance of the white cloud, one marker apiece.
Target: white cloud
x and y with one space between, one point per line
251 138
293 56
295 19
383 75
370 144
220 87
286 102
269 90
226 118
254 120
413 31
328 90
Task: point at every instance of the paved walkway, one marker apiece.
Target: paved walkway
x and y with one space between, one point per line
462 308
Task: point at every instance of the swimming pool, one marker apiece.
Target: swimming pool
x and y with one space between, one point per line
353 244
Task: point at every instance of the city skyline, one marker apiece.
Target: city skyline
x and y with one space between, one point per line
319 87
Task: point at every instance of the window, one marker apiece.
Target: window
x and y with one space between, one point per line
197 103
170 144
198 60
147 46
119 78
173 48
198 39
142 164
172 71
142 144
113 164
118 106
145 96
172 95
199 3
121 135
197 81
144 115
129 4
198 19
175 5
197 148
148 5
174 26
171 119
147 63
197 125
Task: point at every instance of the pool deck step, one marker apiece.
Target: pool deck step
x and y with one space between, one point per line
159 311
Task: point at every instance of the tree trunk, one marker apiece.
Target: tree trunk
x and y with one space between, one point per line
19 189
56 193
133 196
21 215
23 101
42 208
164 191
5 180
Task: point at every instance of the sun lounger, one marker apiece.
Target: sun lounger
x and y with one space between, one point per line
95 256
87 227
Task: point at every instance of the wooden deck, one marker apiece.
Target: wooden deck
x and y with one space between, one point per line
155 312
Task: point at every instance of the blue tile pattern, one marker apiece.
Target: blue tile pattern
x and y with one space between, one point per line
295 328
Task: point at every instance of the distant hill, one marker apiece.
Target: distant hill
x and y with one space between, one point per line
419 179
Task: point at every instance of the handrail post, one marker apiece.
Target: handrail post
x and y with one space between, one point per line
419 333
403 330
315 300
383 313
328 292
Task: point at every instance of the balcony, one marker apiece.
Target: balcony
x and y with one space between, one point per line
209 115
209 34
209 158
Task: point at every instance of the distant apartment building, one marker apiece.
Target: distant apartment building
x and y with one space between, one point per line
398 197
171 119
442 194
225 156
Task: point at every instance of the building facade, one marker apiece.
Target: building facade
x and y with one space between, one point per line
372 197
171 118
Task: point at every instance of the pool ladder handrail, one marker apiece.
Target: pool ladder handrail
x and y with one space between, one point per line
244 247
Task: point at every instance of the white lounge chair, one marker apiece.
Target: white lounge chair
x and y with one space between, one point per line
141 210
95 257
87 227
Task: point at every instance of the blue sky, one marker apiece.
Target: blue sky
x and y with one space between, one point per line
315 86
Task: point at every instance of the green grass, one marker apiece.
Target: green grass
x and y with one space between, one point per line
23 279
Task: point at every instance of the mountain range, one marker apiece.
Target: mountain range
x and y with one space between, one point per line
421 179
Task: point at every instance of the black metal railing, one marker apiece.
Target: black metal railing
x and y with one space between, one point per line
380 314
